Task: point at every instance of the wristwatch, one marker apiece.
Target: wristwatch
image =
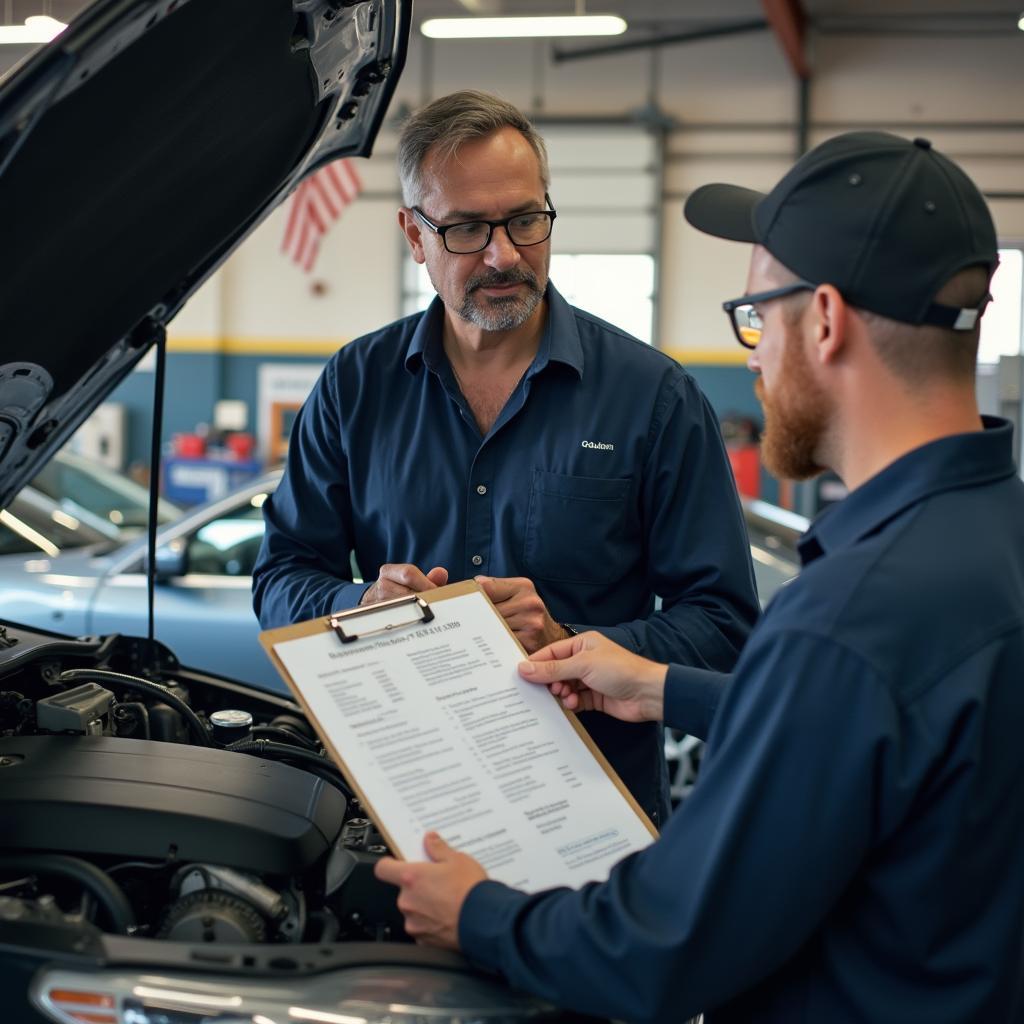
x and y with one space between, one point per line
572 631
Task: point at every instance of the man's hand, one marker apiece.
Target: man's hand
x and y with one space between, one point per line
589 672
402 579
431 894
524 611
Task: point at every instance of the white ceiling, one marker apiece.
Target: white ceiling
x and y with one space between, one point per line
982 15
657 18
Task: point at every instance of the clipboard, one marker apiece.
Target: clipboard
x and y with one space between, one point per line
394 616
375 619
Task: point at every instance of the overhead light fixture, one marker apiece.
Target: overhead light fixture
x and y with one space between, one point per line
39 28
523 27
1020 23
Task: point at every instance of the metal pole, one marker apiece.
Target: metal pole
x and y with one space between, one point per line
427 71
660 133
661 142
803 119
539 60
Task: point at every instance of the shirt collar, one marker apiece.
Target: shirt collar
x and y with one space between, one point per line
560 342
961 460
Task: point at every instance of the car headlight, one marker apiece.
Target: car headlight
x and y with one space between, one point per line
352 995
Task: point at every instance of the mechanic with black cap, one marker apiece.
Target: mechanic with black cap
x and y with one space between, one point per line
854 847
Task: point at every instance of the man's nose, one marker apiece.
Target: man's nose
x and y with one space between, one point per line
753 363
501 252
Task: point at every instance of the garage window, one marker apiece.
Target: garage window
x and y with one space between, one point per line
618 288
1001 324
615 287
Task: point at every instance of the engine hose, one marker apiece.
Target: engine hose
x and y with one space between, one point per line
270 732
329 927
283 752
161 693
109 894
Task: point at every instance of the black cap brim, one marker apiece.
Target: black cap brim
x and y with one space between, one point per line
725 211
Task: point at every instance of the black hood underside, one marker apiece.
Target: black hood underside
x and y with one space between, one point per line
136 152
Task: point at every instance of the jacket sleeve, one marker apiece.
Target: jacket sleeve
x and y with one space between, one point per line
304 566
743 873
691 698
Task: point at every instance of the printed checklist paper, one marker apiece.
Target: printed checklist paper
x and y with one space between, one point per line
435 725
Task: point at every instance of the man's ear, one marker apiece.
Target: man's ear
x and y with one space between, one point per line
830 314
413 233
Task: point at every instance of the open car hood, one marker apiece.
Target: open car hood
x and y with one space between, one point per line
137 150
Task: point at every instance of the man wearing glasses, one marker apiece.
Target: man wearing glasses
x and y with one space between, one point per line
505 435
853 849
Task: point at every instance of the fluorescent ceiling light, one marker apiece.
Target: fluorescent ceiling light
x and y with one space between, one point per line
517 28
37 29
1020 23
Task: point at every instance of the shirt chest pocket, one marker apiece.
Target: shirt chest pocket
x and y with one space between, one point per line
578 528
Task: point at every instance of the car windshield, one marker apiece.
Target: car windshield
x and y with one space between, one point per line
81 485
33 524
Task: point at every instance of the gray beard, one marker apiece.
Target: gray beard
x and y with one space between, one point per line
505 314
502 314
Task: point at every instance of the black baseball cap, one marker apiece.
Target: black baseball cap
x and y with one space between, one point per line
886 220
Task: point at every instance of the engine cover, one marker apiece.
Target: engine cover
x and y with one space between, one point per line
143 799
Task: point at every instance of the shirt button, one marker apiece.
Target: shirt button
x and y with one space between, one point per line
481 489
477 560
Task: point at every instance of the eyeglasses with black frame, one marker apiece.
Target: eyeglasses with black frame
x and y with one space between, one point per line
475 235
746 321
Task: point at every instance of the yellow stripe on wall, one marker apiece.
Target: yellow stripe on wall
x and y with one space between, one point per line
328 346
708 356
256 346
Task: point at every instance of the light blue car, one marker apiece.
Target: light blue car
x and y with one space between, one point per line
203 606
74 502
204 561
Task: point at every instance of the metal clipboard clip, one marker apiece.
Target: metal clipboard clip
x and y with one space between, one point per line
379 618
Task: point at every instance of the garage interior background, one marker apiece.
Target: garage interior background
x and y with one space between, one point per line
631 132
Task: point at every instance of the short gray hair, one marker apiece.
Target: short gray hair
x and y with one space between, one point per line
450 121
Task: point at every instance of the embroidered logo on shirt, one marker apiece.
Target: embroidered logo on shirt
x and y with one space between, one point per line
600 445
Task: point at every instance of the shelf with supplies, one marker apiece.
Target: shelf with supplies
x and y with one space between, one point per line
193 481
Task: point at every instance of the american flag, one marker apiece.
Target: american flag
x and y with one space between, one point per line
315 205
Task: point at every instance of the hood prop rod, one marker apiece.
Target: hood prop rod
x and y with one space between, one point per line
154 472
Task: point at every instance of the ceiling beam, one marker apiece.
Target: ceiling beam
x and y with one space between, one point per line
788 21
481 6
694 35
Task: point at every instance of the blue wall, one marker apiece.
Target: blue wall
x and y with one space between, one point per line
730 390
195 381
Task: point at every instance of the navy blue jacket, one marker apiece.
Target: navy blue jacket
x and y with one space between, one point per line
604 480
854 847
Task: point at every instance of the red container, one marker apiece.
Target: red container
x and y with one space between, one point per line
189 446
745 460
241 446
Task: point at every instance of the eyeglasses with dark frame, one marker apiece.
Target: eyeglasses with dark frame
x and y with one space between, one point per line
475 235
746 322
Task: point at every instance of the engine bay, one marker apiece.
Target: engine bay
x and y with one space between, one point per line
144 799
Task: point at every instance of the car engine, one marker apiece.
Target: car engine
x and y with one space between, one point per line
148 800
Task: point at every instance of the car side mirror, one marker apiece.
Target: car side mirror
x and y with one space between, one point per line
171 559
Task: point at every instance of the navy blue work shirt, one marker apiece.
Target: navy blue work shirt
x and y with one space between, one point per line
604 480
854 847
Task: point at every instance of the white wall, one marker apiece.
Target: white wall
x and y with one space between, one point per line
260 297
744 80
